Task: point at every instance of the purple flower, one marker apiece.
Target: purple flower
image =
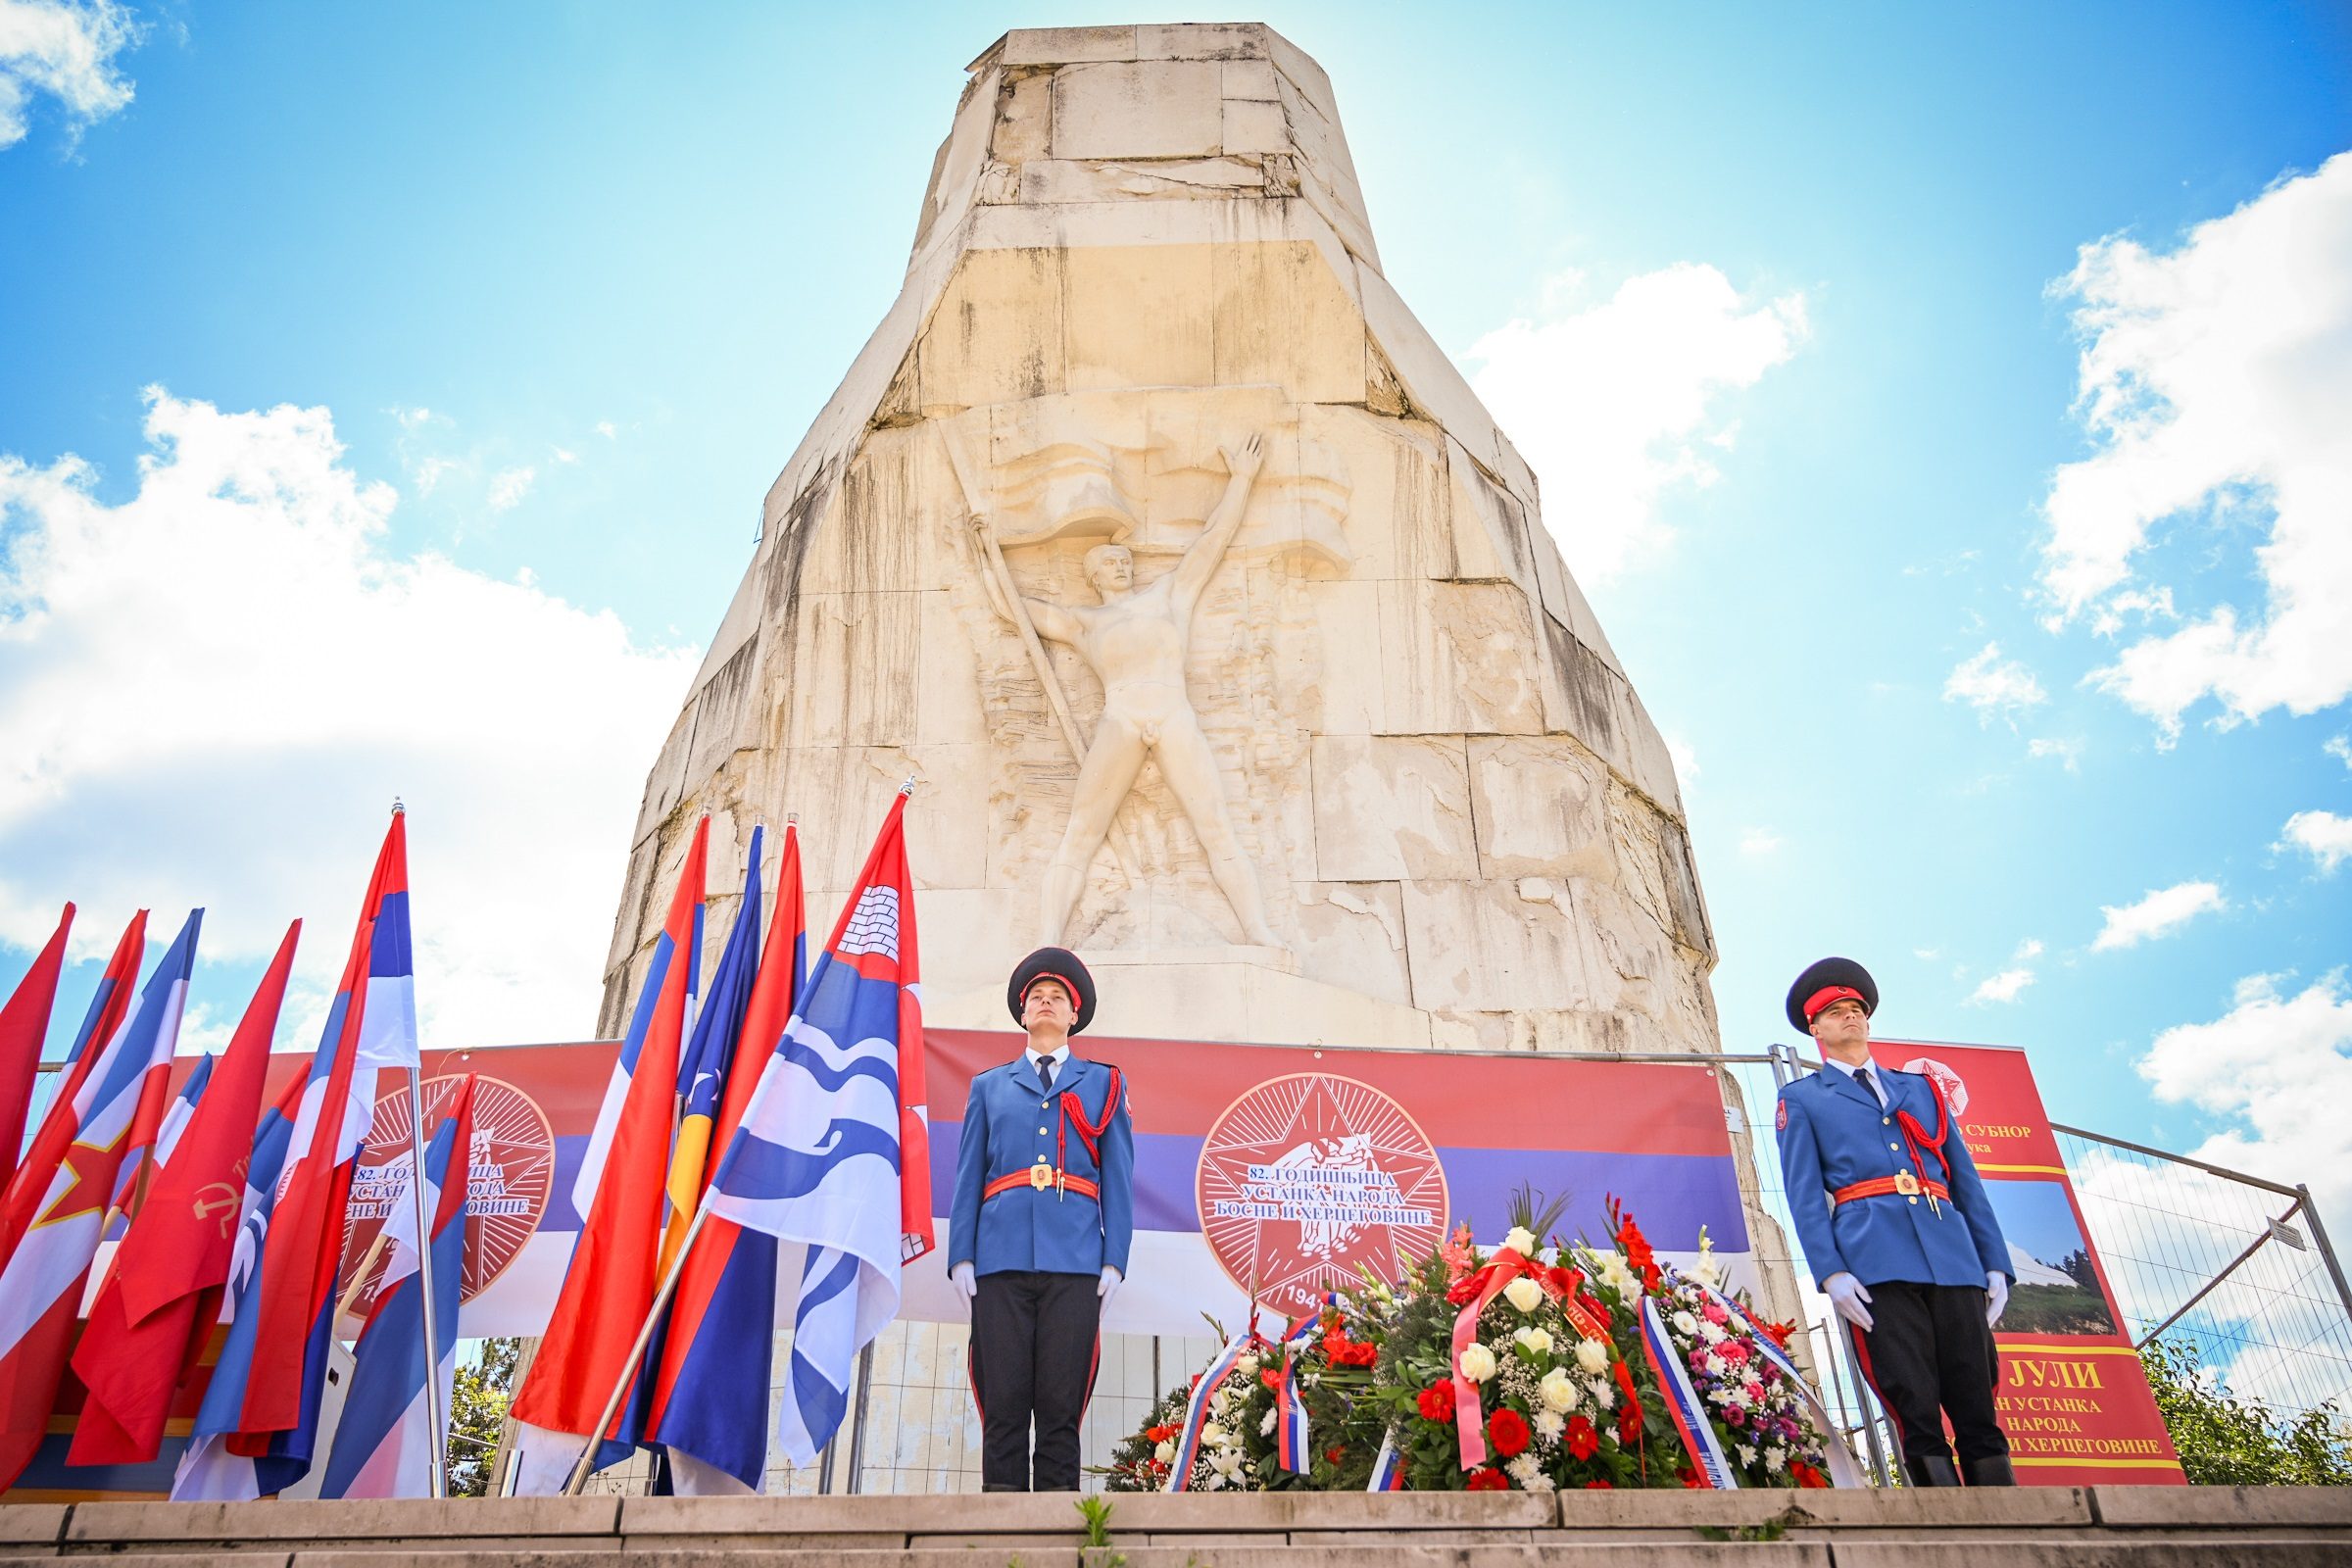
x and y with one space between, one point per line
1734 1415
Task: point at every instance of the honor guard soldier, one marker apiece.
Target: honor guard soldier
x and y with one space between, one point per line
1899 1232
1040 1227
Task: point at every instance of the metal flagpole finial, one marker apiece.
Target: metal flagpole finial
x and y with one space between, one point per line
908 788
792 819
397 807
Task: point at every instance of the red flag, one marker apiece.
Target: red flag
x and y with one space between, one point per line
163 1297
611 1281
24 1025
108 1009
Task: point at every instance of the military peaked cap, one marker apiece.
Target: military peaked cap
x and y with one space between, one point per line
1830 980
1052 963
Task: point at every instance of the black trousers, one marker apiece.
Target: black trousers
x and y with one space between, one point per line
1034 1349
1931 1355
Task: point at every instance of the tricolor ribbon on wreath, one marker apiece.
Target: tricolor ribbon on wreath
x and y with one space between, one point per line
1388 1467
1682 1404
1840 1459
1195 1409
1290 1448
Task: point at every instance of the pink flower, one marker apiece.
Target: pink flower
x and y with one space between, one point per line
1754 1393
1716 1314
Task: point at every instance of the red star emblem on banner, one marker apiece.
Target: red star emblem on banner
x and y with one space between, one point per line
89 1181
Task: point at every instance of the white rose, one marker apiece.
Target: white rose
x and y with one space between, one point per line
1524 1294
1559 1389
1165 1453
1520 1240
1247 1366
1550 1424
1536 1340
1592 1355
1685 1324
1478 1363
1212 1433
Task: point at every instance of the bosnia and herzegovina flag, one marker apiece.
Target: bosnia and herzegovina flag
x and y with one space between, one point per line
56 1204
387 1444
703 1072
710 1404
609 1284
834 1131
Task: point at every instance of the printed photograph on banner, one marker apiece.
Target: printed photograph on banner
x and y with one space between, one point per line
2055 1287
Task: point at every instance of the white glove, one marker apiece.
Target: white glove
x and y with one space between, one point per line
966 1283
1108 1282
1997 1298
1851 1298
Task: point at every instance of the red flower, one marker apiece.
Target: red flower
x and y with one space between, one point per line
1508 1429
1437 1402
1601 1486
1332 1456
1779 1333
1271 1376
1158 1434
1809 1476
1628 1425
1489 1479
1582 1441
1690 1479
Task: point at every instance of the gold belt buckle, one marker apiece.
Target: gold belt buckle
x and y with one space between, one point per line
1041 1176
1906 1183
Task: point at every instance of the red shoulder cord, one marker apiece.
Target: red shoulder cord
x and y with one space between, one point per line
1073 1114
1917 1136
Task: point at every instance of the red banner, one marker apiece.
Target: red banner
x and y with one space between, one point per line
2072 1396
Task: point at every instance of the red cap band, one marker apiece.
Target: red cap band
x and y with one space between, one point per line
1068 989
1820 1000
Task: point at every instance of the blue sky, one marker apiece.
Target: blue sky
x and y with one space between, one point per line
568 283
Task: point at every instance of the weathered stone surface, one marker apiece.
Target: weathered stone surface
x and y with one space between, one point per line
388 1519
1170 108
27 1525
1392 808
2245 1507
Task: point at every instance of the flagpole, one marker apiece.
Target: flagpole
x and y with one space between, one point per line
438 1483
579 1479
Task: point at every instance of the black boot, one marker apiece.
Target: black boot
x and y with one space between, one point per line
1992 1471
1932 1470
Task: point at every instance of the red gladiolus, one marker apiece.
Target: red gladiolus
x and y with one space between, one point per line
1159 1434
1437 1402
1271 1376
1507 1429
1489 1480
1583 1441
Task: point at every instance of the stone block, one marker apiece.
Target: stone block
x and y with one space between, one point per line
996 333
1477 945
1252 80
1055 46
2249 1550
1393 808
1349 697
2128 1507
1540 807
25 1525
1071 182
1336 1510
1203 40
1458 657
133 1525
1487 532
1138 316
1024 119
1285 317
1353 934
1565 601
1396 500
1160 109
948 711
1429 376
852 678
1254 127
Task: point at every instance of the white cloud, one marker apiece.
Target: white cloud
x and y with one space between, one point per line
2215 381
1615 405
565 455
213 690
2161 913
2030 948
2323 835
2003 987
1991 687
1760 841
2278 1065
1686 766
607 429
2339 747
508 486
66 50
428 474
2069 752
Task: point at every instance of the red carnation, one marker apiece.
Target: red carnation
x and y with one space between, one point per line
1437 1402
1582 1441
1489 1479
1601 1486
1333 1455
1508 1429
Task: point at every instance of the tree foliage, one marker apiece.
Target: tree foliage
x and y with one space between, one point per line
2230 1440
477 1409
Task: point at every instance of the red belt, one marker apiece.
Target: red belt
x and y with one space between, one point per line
1039 1178
1902 1182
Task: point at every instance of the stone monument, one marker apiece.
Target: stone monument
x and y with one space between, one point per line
1214 616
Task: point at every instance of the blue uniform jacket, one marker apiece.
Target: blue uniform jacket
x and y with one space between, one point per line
1832 1133
1007 1123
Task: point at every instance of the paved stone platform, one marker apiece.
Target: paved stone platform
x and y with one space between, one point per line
2104 1526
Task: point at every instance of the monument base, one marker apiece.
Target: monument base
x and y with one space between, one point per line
2115 1525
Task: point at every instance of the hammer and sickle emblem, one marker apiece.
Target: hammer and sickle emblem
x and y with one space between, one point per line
224 1204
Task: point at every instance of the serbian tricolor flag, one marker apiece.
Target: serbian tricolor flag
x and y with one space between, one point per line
834 1153
703 1073
161 1298
208 1471
57 1204
24 1025
110 1004
386 1445
609 1288
710 1404
388 1022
